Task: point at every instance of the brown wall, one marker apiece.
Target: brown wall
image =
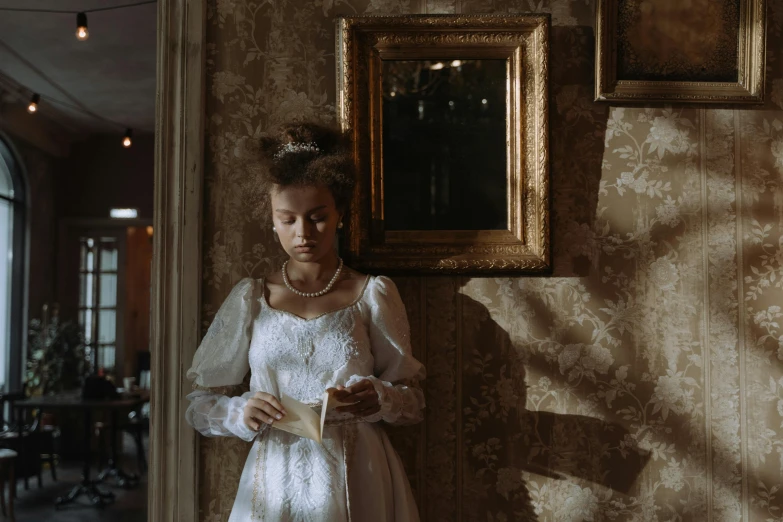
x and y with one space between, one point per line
134 273
100 174
91 177
67 193
643 380
44 145
77 182
42 171
137 296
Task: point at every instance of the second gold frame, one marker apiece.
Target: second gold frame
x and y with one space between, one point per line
652 52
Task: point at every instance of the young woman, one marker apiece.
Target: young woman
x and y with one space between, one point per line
314 324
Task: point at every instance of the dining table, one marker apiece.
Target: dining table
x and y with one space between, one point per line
90 487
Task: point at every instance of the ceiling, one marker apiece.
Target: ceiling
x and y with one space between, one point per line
111 74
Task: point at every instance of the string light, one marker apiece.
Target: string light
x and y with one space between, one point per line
70 11
33 108
34 103
82 34
81 27
81 16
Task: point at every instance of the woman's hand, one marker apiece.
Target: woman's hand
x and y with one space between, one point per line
262 407
364 396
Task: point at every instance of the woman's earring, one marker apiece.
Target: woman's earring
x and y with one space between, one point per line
274 231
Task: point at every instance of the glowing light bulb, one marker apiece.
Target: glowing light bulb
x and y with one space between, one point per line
81 27
33 107
126 141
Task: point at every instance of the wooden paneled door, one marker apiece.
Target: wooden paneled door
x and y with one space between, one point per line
104 284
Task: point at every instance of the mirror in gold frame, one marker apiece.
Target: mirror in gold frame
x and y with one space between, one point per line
449 120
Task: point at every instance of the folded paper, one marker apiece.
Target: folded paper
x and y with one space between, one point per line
302 420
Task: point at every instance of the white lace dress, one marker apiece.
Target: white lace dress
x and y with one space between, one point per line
356 475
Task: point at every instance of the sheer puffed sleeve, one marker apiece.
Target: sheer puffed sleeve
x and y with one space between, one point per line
222 360
397 372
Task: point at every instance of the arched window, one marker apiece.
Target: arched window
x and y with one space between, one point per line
13 279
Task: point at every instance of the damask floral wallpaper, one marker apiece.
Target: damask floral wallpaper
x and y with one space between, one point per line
643 381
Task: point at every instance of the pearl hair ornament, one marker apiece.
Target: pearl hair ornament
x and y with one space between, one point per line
292 147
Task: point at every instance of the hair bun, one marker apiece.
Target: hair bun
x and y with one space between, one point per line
309 154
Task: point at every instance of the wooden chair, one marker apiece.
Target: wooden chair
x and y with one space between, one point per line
33 444
7 462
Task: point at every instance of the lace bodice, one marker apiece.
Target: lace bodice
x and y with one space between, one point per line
308 356
285 353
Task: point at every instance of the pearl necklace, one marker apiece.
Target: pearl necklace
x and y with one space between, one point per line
313 294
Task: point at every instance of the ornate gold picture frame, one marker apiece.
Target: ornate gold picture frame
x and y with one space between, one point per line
703 51
449 120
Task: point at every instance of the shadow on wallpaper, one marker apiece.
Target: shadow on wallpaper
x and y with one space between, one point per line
553 445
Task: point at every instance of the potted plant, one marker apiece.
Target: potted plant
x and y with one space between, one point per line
56 358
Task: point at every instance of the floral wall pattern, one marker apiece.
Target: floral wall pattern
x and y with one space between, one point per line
643 381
